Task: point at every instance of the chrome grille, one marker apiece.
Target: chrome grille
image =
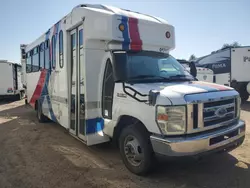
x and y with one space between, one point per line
203 113
218 112
204 116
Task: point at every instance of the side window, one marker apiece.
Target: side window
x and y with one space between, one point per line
47 55
53 48
35 60
61 63
29 62
81 38
108 90
41 56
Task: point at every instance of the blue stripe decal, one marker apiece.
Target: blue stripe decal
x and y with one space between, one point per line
94 125
209 89
44 94
125 34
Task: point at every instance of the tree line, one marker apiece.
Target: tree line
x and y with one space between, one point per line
224 46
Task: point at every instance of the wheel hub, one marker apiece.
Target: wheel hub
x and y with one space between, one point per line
133 151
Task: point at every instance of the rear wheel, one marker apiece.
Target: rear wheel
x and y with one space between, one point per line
244 95
40 116
136 150
17 97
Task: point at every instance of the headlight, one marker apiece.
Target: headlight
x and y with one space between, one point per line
238 107
171 120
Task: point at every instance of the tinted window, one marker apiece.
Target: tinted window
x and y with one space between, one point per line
47 55
73 41
53 51
28 62
81 37
35 60
42 46
61 63
61 42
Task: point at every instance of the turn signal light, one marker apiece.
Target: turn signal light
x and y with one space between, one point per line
162 117
121 27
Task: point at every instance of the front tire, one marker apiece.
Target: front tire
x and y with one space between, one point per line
136 150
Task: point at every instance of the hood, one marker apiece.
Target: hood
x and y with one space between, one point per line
176 91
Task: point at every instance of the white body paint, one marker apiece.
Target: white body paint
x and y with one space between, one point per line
74 91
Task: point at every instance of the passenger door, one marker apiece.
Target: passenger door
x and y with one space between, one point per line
73 88
77 111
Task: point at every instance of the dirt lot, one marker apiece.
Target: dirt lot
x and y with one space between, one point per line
44 155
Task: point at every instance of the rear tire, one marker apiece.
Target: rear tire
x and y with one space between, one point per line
17 97
40 116
136 150
244 95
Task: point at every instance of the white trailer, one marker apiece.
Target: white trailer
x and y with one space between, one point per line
231 68
99 72
10 80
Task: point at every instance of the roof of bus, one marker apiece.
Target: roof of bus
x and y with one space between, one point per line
123 12
110 10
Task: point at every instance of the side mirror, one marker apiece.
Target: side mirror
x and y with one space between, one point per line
152 96
193 69
120 66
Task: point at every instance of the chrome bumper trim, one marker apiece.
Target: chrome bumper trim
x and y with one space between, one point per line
187 146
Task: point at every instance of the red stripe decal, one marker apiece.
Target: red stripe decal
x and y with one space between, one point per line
39 87
216 86
136 42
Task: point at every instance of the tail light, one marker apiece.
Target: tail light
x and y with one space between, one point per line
10 90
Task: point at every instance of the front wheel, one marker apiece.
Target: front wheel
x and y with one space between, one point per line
136 150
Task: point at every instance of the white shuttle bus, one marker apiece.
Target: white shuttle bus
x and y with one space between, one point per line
99 73
231 67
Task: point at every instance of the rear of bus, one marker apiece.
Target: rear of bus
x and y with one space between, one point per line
6 79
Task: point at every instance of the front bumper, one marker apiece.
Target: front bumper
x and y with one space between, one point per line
203 143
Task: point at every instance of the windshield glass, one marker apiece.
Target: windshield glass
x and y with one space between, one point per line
155 65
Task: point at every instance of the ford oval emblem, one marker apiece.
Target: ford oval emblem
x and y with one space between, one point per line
221 112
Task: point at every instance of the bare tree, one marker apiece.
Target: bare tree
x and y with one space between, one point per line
233 45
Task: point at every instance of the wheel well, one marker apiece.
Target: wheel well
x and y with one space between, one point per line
123 122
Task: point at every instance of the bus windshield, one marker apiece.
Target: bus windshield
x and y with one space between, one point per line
155 66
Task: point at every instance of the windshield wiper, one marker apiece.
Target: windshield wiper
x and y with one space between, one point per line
147 76
181 77
162 78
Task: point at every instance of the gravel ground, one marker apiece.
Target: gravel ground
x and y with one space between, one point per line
36 155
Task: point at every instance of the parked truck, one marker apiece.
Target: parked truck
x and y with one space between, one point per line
231 67
103 73
10 80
